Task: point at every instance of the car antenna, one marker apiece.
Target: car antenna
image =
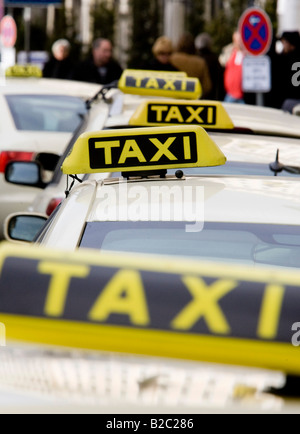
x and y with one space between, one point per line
75 178
277 167
103 91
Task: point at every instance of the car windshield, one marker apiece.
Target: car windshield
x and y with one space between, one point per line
251 244
52 113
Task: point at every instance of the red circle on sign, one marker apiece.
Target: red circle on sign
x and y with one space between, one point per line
8 31
256 31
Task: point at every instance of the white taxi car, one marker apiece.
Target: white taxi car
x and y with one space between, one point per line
256 141
245 219
38 116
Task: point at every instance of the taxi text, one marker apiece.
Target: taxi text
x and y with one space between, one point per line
165 84
186 302
180 114
159 149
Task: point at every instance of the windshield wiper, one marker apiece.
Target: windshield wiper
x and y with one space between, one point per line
277 167
102 92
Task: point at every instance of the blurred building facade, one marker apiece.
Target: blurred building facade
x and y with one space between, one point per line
288 12
79 14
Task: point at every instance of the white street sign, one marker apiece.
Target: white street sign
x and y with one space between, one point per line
257 74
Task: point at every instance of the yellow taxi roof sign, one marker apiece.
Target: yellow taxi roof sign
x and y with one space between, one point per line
208 114
235 315
165 84
133 150
24 71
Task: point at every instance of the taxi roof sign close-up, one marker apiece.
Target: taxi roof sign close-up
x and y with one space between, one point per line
143 149
208 114
206 312
164 84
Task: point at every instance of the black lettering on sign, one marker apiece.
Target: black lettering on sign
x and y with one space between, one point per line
166 84
128 297
159 149
182 114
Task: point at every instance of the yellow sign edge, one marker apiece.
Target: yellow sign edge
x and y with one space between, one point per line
154 73
266 274
229 351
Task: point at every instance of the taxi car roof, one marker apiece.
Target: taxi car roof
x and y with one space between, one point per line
258 120
258 148
267 201
47 86
264 120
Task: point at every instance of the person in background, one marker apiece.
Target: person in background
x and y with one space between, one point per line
185 59
203 44
233 75
226 54
162 51
60 65
271 98
101 67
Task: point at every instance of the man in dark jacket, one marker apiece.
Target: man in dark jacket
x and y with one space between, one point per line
101 68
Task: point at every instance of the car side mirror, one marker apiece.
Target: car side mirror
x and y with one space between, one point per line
28 173
23 227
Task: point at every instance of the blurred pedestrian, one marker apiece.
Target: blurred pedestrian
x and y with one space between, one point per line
226 53
203 44
185 59
162 51
100 67
60 65
233 75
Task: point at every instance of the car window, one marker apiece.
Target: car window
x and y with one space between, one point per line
227 242
53 113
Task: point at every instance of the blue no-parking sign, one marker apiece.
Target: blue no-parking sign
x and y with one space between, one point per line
256 31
